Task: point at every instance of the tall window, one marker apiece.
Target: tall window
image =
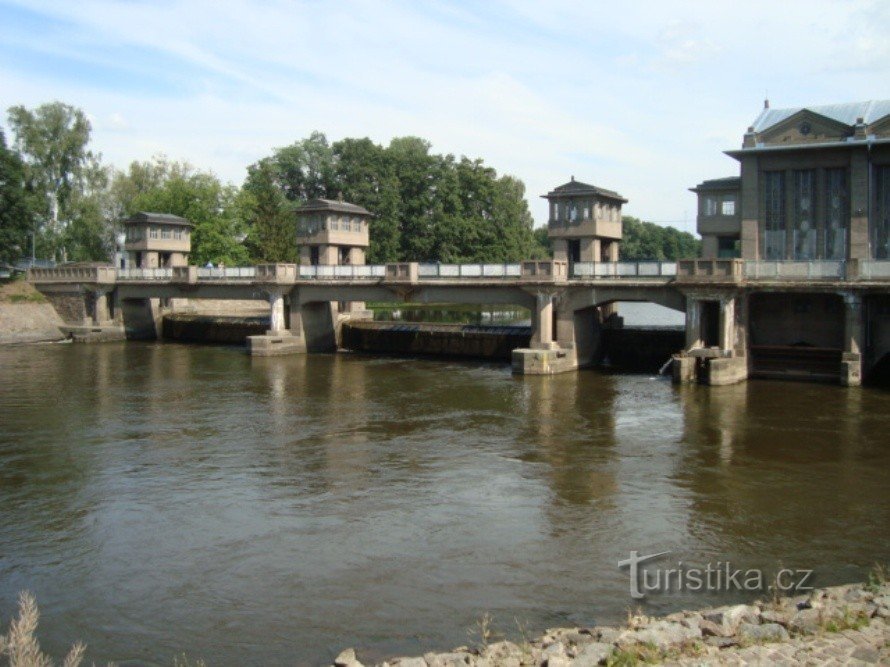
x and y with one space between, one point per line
835 216
774 214
804 224
727 206
710 206
880 237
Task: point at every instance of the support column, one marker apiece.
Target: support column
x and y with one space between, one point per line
542 338
727 324
693 323
276 306
851 359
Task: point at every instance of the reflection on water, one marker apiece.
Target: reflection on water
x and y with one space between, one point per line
160 498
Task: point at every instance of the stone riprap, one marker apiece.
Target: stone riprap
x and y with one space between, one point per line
842 625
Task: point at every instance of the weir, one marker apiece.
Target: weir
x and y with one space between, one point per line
743 318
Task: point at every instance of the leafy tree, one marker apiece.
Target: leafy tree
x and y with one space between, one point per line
16 213
270 217
52 140
162 186
648 241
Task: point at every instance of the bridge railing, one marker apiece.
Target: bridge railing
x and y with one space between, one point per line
824 269
651 269
874 269
345 271
144 274
432 271
227 273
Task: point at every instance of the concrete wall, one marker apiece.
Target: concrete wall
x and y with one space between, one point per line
783 319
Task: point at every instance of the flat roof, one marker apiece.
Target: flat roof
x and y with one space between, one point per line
335 205
146 217
573 188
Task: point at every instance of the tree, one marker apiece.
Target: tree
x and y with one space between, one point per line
648 241
16 212
269 216
52 140
161 186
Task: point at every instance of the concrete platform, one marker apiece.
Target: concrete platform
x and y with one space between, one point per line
543 362
274 345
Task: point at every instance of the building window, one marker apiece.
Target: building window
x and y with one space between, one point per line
727 206
835 215
153 233
728 247
177 234
803 235
774 215
165 233
710 206
880 237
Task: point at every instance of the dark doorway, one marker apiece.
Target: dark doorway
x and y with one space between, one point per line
710 323
313 255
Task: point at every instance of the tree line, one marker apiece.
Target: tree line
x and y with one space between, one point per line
58 198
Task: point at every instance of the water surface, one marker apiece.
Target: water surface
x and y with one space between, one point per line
160 498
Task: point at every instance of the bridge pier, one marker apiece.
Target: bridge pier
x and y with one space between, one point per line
854 340
279 339
715 352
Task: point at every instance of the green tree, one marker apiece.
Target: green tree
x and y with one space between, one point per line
16 212
52 140
161 186
648 241
269 216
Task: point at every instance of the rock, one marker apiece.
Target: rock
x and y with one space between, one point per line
868 654
503 653
711 629
347 659
767 632
455 659
806 622
555 650
559 661
607 635
780 616
721 642
595 653
661 634
731 617
409 662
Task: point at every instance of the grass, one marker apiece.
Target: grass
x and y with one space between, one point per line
630 656
20 647
877 577
847 621
27 298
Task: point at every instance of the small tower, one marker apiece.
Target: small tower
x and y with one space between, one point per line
157 240
584 222
332 232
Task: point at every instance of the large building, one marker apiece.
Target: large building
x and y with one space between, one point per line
814 184
584 222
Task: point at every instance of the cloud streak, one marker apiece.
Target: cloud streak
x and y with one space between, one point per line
640 97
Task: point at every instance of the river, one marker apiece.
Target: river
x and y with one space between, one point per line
161 498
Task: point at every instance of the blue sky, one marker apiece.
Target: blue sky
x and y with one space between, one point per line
640 97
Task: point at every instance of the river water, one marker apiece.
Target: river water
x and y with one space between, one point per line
160 498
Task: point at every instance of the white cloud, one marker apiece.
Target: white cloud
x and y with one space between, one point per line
640 97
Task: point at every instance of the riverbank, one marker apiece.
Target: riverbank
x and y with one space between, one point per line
26 316
839 625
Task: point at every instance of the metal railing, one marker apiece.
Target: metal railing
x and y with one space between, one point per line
344 271
144 274
624 269
469 270
227 273
829 269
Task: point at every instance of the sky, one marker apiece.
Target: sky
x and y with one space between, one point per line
638 97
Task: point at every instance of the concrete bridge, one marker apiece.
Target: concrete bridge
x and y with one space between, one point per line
830 318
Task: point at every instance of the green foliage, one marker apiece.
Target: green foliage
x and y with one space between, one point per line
269 216
428 207
648 241
161 186
16 213
52 142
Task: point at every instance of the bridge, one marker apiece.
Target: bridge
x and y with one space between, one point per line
741 315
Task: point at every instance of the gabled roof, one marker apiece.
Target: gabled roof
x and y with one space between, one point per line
574 187
144 217
846 114
334 205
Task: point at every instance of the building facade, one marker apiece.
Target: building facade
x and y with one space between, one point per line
157 240
332 232
584 222
814 184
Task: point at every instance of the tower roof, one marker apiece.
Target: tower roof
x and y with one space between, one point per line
335 205
846 113
574 187
144 217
